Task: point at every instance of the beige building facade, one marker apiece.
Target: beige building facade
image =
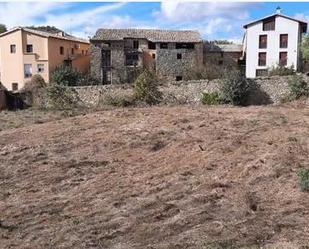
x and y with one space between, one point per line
25 52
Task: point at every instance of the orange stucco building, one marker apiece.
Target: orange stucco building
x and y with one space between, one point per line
25 52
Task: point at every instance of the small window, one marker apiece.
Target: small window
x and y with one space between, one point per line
41 68
261 72
221 54
29 48
269 24
153 56
179 56
14 86
283 40
220 62
131 59
283 58
178 78
61 50
72 50
13 48
263 41
83 52
262 59
135 44
151 45
28 70
163 45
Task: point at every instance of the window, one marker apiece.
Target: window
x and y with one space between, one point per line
29 48
40 68
72 50
185 45
269 24
163 45
153 56
283 40
261 72
178 78
28 70
221 54
83 52
283 58
135 44
263 41
14 86
131 59
220 62
61 50
179 56
262 59
13 49
151 45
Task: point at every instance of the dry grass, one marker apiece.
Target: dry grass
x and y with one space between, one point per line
160 177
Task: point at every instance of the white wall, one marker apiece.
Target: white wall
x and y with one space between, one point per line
282 26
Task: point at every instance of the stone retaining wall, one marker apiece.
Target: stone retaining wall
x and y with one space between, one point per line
267 90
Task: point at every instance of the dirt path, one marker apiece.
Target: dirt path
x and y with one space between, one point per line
162 177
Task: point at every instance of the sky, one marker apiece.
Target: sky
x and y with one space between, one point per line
221 20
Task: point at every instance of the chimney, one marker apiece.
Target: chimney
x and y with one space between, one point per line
278 10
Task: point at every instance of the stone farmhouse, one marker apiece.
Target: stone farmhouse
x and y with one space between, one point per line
116 54
224 55
25 52
271 41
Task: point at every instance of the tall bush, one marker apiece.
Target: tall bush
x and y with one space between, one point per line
34 92
298 87
66 75
146 88
235 88
62 97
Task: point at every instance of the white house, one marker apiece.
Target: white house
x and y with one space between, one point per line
272 41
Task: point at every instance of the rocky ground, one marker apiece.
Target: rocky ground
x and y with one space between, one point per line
160 177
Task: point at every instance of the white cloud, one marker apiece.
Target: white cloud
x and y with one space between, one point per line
210 18
23 13
83 23
213 20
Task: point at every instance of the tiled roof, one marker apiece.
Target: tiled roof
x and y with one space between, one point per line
274 15
62 36
149 34
213 47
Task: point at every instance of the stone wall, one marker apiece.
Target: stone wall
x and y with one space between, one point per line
267 90
167 64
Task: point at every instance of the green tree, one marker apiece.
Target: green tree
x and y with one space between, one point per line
305 47
2 28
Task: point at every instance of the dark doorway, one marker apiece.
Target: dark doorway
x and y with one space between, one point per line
106 67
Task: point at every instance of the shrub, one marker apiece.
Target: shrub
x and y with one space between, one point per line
62 97
211 98
281 70
303 175
235 88
146 88
66 75
88 80
298 87
34 92
117 100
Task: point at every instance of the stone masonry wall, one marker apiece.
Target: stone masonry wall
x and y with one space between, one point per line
169 66
268 90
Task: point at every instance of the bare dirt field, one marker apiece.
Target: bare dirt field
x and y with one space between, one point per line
155 178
